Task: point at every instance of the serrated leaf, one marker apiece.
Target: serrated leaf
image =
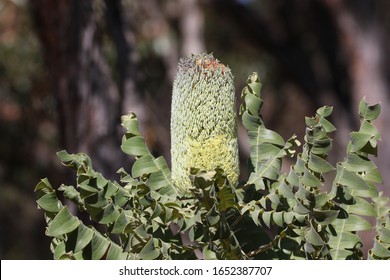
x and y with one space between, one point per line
149 251
115 253
284 190
384 235
79 238
250 122
134 146
350 179
358 141
130 123
320 200
357 163
278 219
266 216
263 134
120 223
96 201
351 224
143 166
58 249
209 254
369 112
252 103
98 246
313 237
64 156
107 215
226 199
49 202
326 125
325 217
64 222
288 217
121 197
300 209
362 207
309 179
43 187
318 164
380 251
325 111
340 254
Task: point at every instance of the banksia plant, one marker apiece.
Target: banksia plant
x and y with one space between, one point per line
198 211
203 120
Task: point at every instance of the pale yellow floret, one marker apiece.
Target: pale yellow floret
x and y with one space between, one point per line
212 153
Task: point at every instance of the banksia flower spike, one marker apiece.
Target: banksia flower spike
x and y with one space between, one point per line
203 120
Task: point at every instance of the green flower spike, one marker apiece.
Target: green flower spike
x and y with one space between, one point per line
203 120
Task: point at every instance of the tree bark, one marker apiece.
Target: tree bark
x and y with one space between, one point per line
88 100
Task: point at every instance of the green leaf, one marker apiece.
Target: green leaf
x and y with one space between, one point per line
64 156
160 178
356 223
107 215
79 238
149 251
320 200
266 216
263 134
313 237
130 123
120 223
319 164
310 180
357 163
362 207
115 252
43 187
98 246
209 254
359 140
350 179
325 111
277 217
250 122
96 201
134 146
369 112
58 248
72 194
121 197
380 251
64 222
325 217
144 166
252 103
49 202
344 240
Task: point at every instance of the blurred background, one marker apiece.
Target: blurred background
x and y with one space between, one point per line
70 68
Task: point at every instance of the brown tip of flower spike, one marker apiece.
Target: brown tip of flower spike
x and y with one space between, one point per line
210 63
202 63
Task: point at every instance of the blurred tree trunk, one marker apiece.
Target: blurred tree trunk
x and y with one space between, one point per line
362 36
191 23
89 102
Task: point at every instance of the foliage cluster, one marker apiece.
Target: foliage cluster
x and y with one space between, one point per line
272 215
